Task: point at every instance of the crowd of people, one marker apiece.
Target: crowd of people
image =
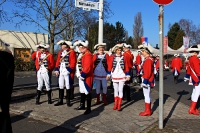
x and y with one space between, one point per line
99 67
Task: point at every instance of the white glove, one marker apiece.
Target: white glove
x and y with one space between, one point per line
81 78
144 85
186 79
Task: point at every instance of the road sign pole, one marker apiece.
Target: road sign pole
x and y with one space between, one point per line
100 40
161 31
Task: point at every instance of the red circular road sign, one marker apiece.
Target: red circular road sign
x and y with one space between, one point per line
163 2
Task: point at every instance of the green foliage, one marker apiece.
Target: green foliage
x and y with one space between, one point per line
179 40
112 34
172 33
120 32
130 41
109 35
20 65
92 36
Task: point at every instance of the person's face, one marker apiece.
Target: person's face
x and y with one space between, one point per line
143 53
82 49
101 49
64 47
125 49
118 51
41 49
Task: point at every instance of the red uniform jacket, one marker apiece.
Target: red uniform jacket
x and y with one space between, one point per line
148 71
194 70
50 61
87 69
166 63
72 64
157 63
95 58
34 54
138 62
126 65
176 63
129 57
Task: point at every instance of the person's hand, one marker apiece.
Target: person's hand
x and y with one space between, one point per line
57 73
107 77
128 78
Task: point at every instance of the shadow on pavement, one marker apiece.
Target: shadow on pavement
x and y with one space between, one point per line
20 116
76 122
135 96
180 93
156 103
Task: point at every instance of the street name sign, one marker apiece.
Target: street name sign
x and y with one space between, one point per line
163 2
87 5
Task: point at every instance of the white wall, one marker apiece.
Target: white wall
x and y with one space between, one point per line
18 39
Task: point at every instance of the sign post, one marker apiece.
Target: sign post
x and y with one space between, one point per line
161 4
88 5
100 39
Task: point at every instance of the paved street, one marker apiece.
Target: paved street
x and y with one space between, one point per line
21 124
103 118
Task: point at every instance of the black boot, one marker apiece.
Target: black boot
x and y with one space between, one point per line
124 93
60 100
49 97
82 103
72 93
128 93
175 79
68 97
38 97
89 100
157 77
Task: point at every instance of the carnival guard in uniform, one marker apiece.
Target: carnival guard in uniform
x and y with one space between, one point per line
84 72
176 66
147 78
130 57
64 69
44 65
118 70
194 71
156 67
138 62
100 61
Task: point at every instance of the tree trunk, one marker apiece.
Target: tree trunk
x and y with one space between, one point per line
51 50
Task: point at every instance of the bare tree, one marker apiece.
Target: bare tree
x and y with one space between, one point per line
80 21
137 29
37 11
3 14
190 30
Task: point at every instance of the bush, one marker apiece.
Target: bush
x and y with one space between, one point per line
21 65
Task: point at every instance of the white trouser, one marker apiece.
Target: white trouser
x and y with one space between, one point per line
102 82
195 93
64 80
147 95
118 88
43 76
82 88
175 72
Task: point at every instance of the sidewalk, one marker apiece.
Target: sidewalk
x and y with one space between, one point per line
105 120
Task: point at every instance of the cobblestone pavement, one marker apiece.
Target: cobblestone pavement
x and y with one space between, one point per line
103 118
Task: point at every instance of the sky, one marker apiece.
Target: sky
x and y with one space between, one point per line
125 11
